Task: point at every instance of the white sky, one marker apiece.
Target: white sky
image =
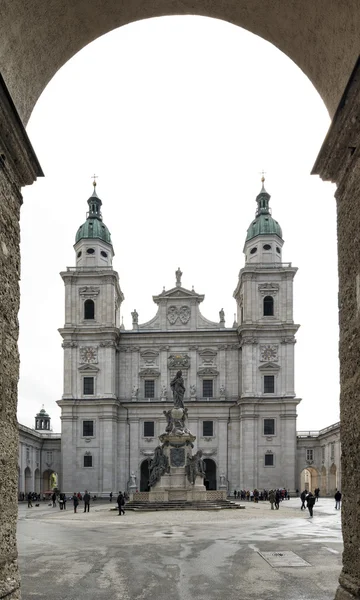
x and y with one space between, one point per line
178 116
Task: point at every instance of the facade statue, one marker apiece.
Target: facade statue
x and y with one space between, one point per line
222 479
222 390
178 274
222 316
178 390
132 479
135 317
164 392
135 392
158 466
192 390
195 467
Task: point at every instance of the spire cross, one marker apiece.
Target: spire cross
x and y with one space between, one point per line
94 177
262 173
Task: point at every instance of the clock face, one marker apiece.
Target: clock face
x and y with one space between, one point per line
269 353
88 354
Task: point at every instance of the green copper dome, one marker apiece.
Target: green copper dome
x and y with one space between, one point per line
263 223
93 226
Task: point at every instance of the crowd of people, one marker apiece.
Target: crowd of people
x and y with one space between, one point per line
263 495
60 499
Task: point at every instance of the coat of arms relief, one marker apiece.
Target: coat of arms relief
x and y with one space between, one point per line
176 313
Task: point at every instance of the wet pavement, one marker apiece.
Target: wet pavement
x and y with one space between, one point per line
187 555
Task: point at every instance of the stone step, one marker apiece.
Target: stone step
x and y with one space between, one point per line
136 505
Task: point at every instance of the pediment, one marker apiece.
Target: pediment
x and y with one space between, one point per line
208 353
88 368
269 366
149 353
178 293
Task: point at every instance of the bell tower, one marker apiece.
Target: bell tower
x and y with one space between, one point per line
266 332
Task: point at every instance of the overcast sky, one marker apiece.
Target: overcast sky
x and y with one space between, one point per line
177 116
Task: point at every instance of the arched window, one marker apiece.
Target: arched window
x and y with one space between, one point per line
268 306
89 309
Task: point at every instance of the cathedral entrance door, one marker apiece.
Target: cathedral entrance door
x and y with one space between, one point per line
210 474
144 476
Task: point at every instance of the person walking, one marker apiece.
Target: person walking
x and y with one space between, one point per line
317 494
271 497
64 500
53 498
302 498
337 498
277 499
111 495
75 501
86 501
121 503
310 500
29 499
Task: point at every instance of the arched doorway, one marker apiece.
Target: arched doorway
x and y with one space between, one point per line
309 479
323 486
333 479
37 481
49 480
144 476
28 485
210 474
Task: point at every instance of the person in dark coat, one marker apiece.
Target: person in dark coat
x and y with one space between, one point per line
53 498
86 501
302 498
317 494
337 498
75 501
121 503
111 495
277 499
310 500
29 499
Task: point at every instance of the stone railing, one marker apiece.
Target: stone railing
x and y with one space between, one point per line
216 495
140 496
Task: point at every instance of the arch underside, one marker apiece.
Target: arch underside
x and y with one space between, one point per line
39 36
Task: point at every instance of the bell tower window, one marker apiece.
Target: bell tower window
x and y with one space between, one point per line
89 309
268 306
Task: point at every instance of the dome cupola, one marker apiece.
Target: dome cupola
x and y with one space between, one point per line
264 240
93 226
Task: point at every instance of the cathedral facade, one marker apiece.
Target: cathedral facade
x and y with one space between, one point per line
239 380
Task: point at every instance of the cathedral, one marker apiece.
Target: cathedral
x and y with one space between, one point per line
239 381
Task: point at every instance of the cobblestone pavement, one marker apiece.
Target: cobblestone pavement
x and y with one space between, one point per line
186 555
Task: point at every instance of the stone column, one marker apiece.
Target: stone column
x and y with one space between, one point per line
18 167
339 162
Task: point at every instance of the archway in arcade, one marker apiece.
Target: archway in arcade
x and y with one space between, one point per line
323 486
37 481
28 486
309 479
333 485
210 474
49 481
144 476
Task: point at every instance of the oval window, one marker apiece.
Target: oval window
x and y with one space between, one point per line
90 251
253 250
267 247
79 254
104 254
278 249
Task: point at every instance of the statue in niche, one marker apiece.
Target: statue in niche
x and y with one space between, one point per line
192 390
164 391
178 274
222 479
132 479
135 317
222 390
195 467
158 466
178 390
135 392
222 316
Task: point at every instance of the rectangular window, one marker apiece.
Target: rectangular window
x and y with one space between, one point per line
149 429
88 386
208 428
332 451
309 454
269 384
49 457
87 461
208 388
269 460
88 428
149 388
269 426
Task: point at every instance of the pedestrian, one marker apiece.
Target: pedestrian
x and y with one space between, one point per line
317 493
86 501
337 499
302 498
277 499
64 500
235 494
310 500
53 498
111 495
121 503
29 498
75 501
271 497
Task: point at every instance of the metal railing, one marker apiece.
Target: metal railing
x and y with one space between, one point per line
84 269
279 265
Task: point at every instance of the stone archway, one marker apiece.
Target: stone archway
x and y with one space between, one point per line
323 485
309 479
210 480
49 481
144 476
28 480
37 481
